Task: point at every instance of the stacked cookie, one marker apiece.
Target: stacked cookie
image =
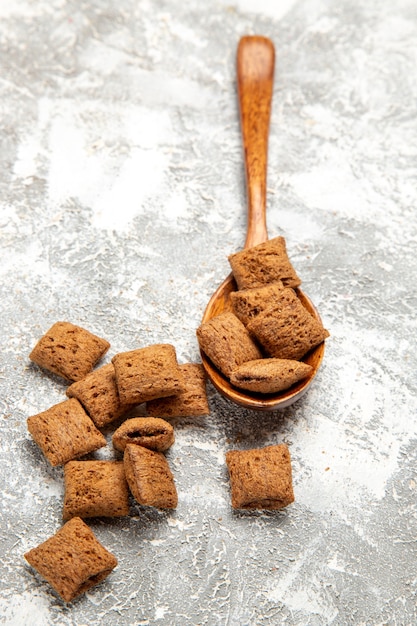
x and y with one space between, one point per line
259 345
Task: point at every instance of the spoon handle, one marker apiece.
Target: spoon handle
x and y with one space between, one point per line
255 76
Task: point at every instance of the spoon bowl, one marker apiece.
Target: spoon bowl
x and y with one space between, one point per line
255 73
219 303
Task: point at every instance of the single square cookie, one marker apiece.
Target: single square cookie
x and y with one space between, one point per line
150 432
227 343
264 263
286 330
260 478
69 351
192 401
269 375
147 373
248 303
65 432
95 489
149 477
73 560
98 394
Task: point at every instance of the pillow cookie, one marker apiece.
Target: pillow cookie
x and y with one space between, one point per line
286 329
69 351
269 375
150 432
264 263
248 303
191 401
98 394
260 478
149 477
65 432
73 560
147 373
95 489
226 342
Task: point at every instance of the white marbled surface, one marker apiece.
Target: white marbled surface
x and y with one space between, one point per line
122 193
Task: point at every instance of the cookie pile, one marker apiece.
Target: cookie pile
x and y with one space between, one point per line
73 560
259 344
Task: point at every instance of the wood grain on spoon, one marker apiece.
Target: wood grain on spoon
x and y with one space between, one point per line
255 76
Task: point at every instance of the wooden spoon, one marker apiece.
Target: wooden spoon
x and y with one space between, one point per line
255 75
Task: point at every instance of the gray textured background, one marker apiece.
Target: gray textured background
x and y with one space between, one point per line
122 193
